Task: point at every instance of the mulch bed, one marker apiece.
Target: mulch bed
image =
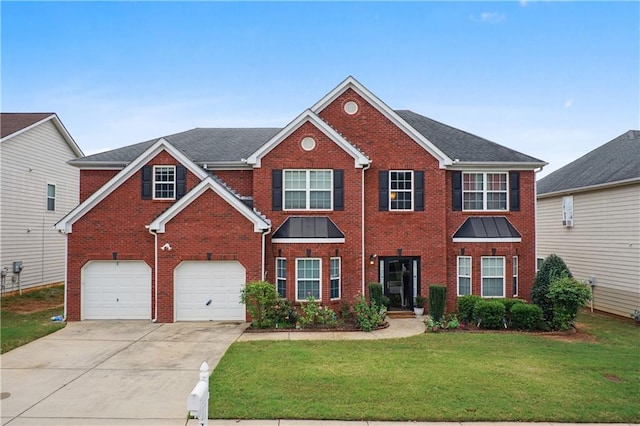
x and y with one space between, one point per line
346 327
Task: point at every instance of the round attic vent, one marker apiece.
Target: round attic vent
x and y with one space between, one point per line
308 143
351 107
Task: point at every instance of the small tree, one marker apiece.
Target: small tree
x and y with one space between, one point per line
567 296
437 301
259 296
551 269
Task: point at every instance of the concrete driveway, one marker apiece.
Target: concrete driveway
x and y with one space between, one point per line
110 373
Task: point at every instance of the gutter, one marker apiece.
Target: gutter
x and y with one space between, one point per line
155 273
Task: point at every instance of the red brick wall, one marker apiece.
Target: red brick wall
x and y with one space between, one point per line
92 180
240 180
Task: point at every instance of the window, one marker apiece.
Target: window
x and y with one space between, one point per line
464 275
335 278
492 276
308 189
515 275
401 190
51 197
164 182
307 279
567 210
281 277
484 191
539 262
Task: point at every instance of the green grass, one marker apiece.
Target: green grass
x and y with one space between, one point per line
17 328
437 377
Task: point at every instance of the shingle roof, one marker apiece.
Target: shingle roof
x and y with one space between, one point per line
11 122
615 161
461 145
204 145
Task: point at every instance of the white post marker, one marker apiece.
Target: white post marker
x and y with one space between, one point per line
198 400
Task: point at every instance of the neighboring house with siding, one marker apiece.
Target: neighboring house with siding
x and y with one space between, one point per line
589 214
37 188
348 193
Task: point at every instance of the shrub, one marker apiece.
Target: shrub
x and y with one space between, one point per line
466 305
508 305
442 324
259 297
281 314
368 316
525 316
489 313
375 293
551 269
315 315
567 296
437 301
346 314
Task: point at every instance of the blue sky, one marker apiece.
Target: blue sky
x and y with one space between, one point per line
551 79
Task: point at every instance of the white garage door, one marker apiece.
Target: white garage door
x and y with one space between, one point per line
209 291
116 290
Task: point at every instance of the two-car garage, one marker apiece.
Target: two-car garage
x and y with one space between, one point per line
203 290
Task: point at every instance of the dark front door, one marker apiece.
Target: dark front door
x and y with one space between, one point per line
400 279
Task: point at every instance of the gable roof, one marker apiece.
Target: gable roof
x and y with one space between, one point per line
617 161
464 147
66 223
210 183
14 123
309 116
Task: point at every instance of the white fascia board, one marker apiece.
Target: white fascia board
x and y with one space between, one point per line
66 223
259 224
355 85
497 165
59 126
309 116
307 240
26 129
487 240
598 187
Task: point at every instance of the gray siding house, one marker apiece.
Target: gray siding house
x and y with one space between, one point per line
37 188
588 213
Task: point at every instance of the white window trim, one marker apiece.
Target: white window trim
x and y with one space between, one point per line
412 191
278 277
470 276
485 191
567 211
516 270
154 183
55 197
319 278
339 277
482 277
307 189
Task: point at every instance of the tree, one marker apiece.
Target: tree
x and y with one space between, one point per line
552 269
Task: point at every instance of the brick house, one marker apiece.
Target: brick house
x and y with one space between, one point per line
350 192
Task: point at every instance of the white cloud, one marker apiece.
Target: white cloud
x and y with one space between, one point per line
489 17
568 103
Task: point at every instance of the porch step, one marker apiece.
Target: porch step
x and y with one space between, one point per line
401 314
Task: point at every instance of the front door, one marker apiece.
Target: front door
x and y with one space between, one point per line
400 279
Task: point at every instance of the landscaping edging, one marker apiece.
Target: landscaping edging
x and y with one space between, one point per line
313 330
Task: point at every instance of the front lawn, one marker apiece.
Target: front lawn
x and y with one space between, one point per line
27 317
437 377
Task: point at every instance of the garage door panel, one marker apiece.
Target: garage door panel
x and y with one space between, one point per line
116 290
209 291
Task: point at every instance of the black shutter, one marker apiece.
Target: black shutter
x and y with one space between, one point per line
383 190
456 191
418 183
338 190
276 189
181 181
514 191
147 182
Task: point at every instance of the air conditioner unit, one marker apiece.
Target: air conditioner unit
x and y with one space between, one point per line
567 223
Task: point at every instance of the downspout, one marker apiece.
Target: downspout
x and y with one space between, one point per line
264 252
66 273
364 263
155 274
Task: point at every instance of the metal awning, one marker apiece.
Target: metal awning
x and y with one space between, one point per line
308 229
487 229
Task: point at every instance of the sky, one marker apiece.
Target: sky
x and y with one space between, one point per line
553 80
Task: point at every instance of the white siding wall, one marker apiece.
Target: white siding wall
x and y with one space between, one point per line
604 243
28 162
